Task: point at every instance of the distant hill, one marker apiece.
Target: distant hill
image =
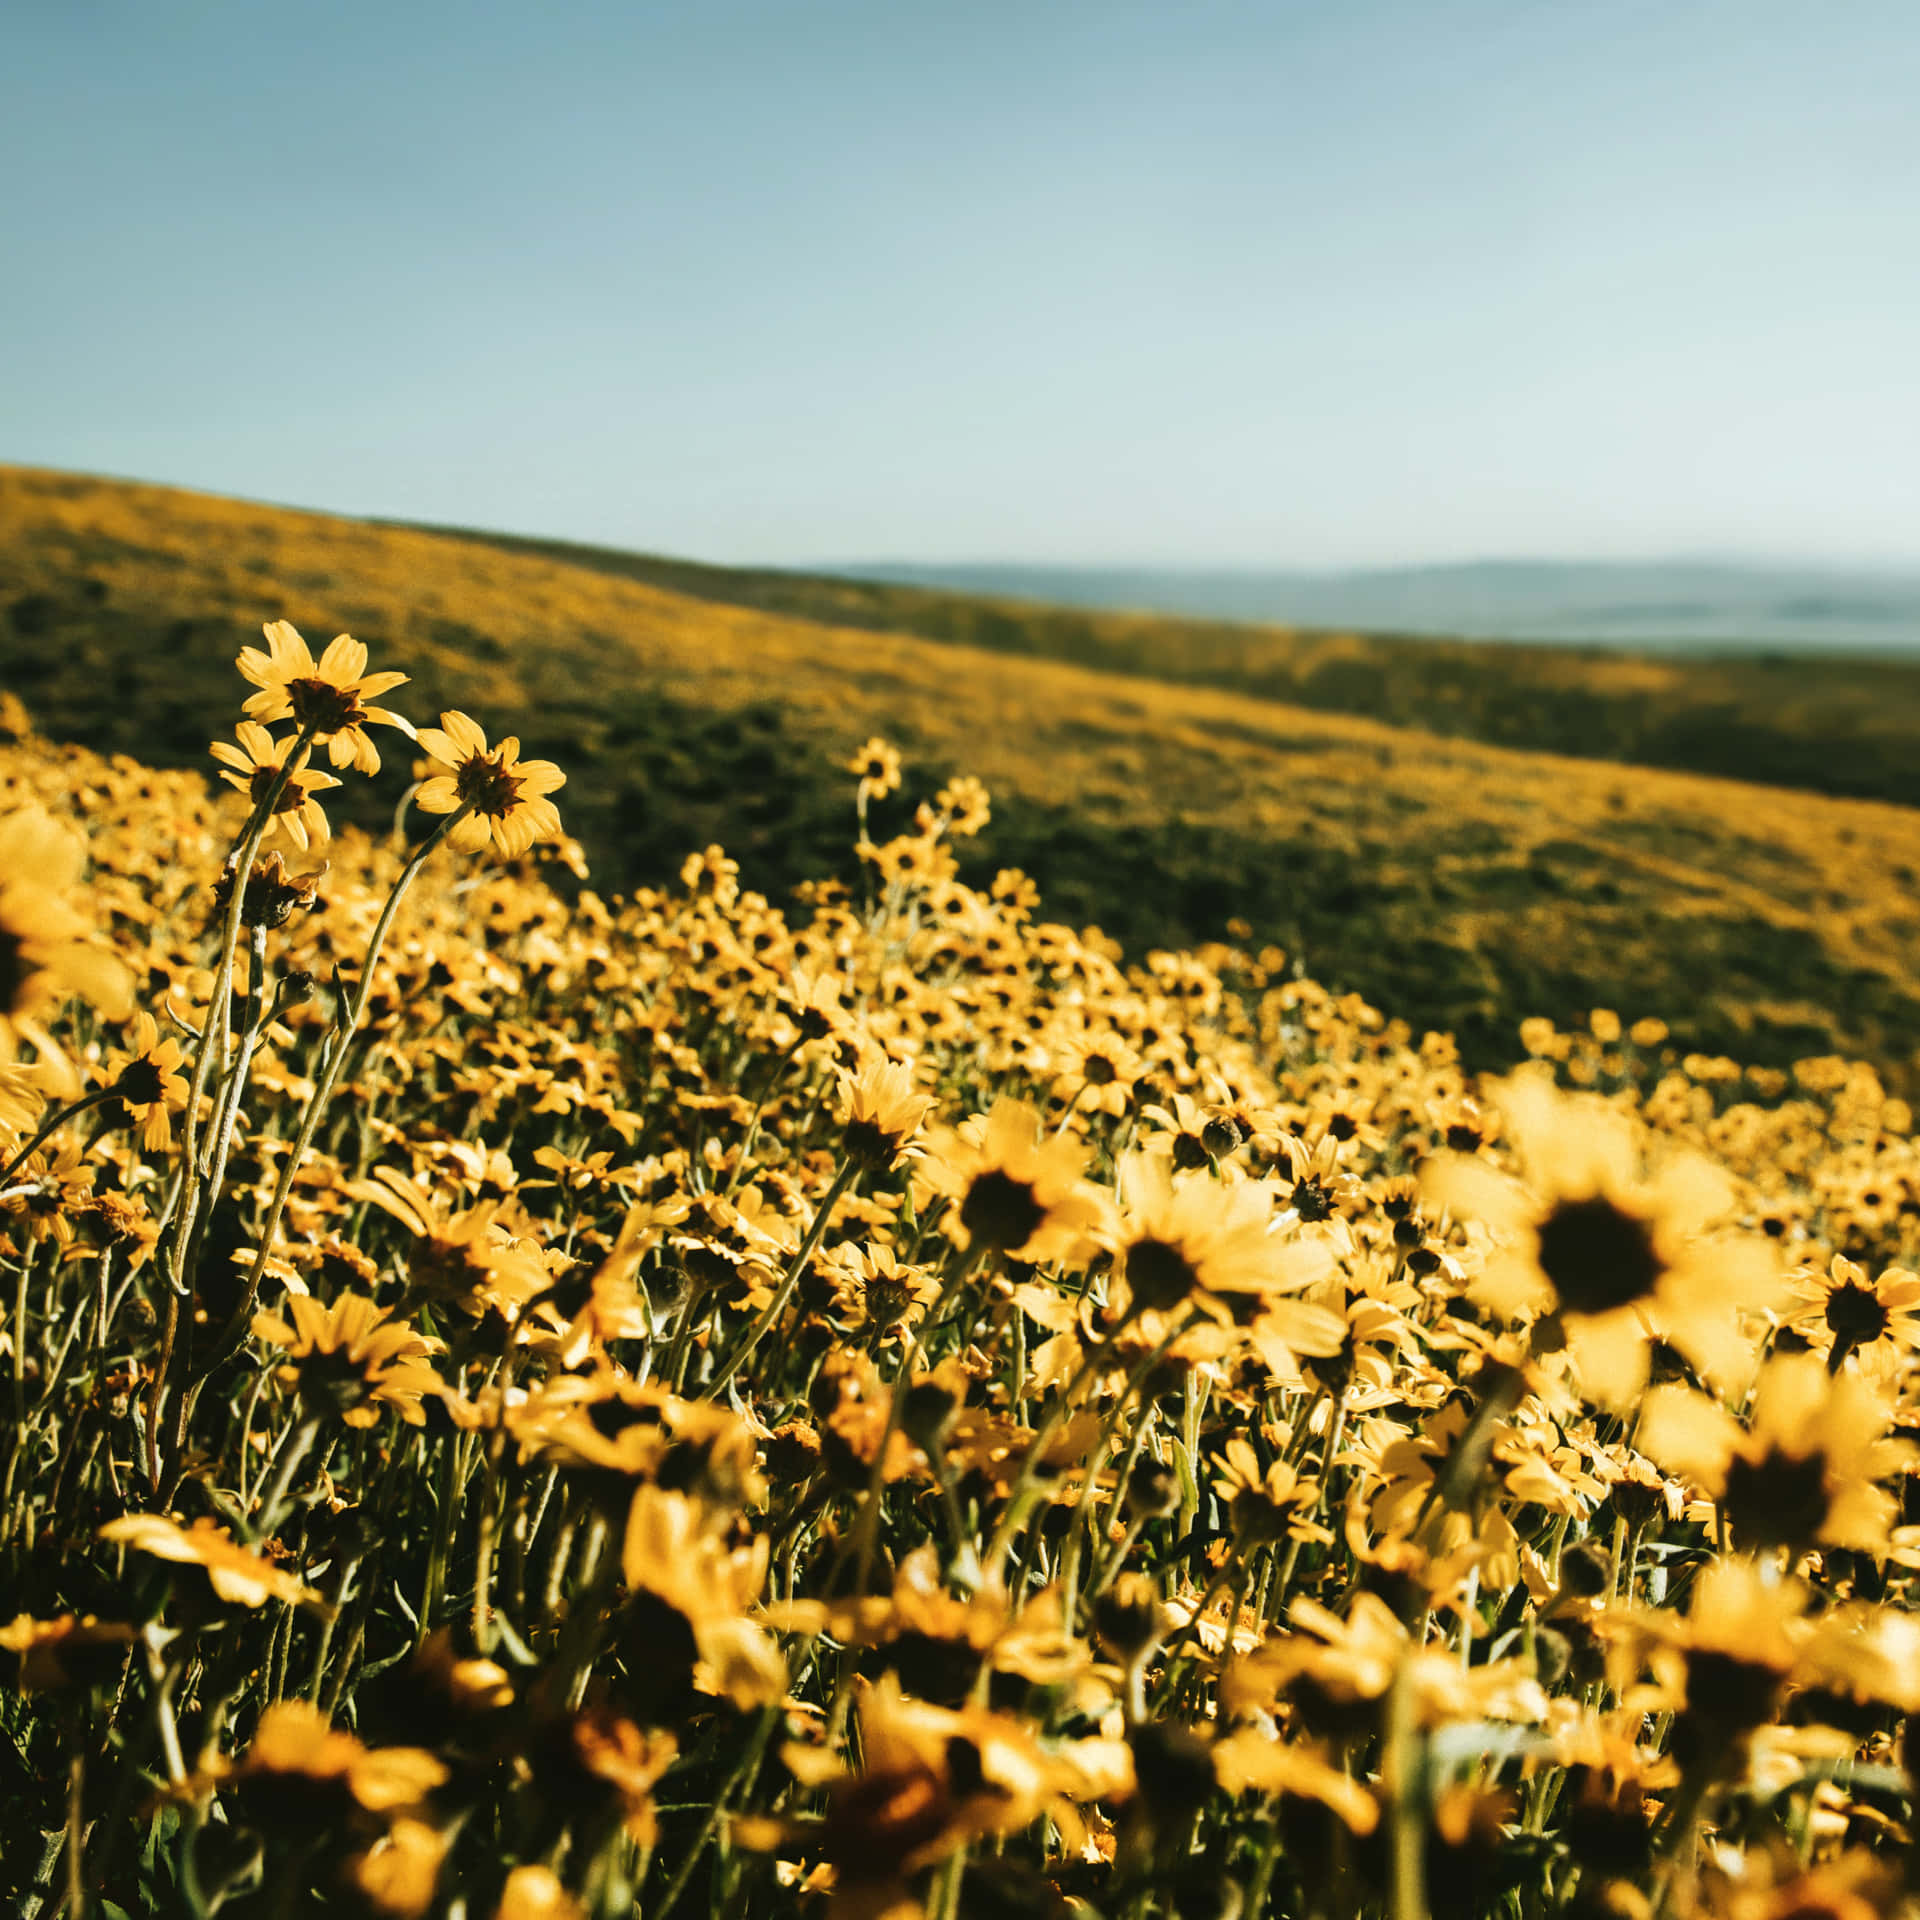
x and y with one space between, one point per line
1464 885
1646 604
1846 723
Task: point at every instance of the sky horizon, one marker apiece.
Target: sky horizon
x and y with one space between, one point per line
1222 287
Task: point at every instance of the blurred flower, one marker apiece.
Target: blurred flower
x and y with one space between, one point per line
352 1358
234 1573
535 1893
1602 1260
46 955
878 766
67 1651
296 1758
400 1872
1806 1470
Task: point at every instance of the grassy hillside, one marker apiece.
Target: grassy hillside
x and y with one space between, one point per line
1830 724
1461 884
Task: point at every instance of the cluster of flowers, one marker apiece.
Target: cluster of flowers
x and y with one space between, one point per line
528 1404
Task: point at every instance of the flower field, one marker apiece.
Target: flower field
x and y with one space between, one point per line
1462 885
535 1402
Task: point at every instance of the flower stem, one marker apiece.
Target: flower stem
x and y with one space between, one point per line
849 1173
344 1029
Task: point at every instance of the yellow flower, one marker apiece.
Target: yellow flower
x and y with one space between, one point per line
329 696
1266 1506
1728 1659
295 1746
45 954
469 1256
1015 1192
883 1111
1807 1470
1097 1071
1194 1238
624 1763
878 766
254 765
965 803
535 1893
505 794
65 1651
1842 1311
399 1872
673 1553
353 1359
933 1778
49 1193
233 1572
147 1082
1604 1260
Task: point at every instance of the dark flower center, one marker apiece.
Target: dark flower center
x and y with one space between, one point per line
14 970
1098 1071
325 708
1855 1314
886 1300
1255 1518
1777 1501
292 797
140 1084
487 785
332 1381
1000 1211
1726 1694
1596 1256
1190 1152
1160 1275
869 1144
1313 1199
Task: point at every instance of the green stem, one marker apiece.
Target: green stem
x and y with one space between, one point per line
242 1317
214 1027
1401 1775
842 1181
53 1126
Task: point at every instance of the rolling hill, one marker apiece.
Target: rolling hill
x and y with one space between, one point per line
1461 883
1827 721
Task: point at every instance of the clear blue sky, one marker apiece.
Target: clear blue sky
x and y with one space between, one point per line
1193 283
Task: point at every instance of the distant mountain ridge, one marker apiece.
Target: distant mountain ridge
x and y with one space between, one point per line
1643 604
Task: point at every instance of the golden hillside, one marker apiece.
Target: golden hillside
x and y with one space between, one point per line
1461 884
